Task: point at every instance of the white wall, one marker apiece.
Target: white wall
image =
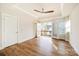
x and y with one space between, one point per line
0 28
25 24
0 31
25 28
74 17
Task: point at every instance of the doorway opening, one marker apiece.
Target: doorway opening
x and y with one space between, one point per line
44 29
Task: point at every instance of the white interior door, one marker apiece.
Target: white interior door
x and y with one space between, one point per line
10 30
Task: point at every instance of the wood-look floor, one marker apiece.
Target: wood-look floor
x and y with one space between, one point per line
42 46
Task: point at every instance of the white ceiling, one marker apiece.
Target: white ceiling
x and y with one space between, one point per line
59 9
29 8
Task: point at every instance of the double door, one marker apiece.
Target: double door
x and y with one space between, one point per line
9 30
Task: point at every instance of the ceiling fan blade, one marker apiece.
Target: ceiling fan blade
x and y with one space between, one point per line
44 11
49 11
37 10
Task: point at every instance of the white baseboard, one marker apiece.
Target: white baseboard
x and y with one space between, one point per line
2 48
25 39
18 42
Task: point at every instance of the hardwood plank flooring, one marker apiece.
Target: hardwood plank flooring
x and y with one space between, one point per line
42 46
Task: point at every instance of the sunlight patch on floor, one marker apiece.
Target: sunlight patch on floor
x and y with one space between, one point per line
45 41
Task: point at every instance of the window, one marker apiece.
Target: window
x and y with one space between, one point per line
68 26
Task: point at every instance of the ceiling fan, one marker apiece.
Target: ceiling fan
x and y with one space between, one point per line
43 11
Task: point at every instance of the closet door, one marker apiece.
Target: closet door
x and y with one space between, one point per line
10 30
